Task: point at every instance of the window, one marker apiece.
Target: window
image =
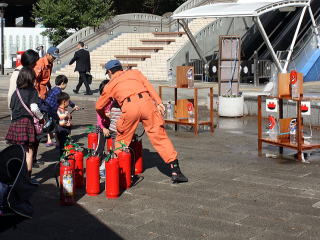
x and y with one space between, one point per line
18 42
37 41
31 42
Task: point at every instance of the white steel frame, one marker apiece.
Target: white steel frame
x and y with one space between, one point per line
305 4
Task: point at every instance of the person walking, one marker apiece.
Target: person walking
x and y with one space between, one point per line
139 102
41 52
43 71
83 66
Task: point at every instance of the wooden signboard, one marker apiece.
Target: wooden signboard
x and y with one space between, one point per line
185 76
181 108
284 128
284 84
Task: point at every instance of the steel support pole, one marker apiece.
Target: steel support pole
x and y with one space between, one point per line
293 43
245 23
193 41
256 69
2 42
269 45
314 24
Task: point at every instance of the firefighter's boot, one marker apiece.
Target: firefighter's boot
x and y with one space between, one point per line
176 175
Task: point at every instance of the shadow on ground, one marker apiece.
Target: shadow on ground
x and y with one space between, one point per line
152 159
52 221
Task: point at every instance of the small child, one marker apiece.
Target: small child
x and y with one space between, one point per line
61 83
115 113
103 125
107 126
64 126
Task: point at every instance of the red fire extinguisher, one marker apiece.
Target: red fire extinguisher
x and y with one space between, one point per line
138 169
92 175
79 176
92 138
112 177
136 146
124 158
109 144
70 149
67 189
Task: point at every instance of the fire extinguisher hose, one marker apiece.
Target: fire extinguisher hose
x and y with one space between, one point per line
140 136
90 129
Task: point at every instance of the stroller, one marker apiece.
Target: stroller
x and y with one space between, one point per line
15 186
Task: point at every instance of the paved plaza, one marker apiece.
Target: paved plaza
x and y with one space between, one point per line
231 194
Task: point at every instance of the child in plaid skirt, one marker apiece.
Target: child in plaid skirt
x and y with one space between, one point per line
21 130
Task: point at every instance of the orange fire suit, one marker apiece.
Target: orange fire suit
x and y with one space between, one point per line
43 71
138 100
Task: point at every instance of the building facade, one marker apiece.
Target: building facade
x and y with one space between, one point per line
21 39
20 32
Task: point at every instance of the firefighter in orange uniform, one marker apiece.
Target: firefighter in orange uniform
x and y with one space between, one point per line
43 71
139 103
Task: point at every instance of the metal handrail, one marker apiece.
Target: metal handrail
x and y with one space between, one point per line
109 29
87 33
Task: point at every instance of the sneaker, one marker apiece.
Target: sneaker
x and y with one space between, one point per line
50 144
40 162
35 165
102 174
75 91
88 93
177 176
34 182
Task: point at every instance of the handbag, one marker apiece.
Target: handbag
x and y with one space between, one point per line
89 78
36 122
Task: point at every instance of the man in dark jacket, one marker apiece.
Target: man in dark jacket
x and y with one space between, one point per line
83 66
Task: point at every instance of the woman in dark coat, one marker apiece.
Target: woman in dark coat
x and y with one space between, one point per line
22 130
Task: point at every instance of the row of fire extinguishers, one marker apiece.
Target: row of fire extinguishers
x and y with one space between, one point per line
120 169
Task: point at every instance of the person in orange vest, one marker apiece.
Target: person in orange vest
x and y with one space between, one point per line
43 71
139 102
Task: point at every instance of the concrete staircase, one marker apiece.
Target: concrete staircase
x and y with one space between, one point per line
155 67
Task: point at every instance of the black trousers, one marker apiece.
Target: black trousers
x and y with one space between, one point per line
83 79
62 134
